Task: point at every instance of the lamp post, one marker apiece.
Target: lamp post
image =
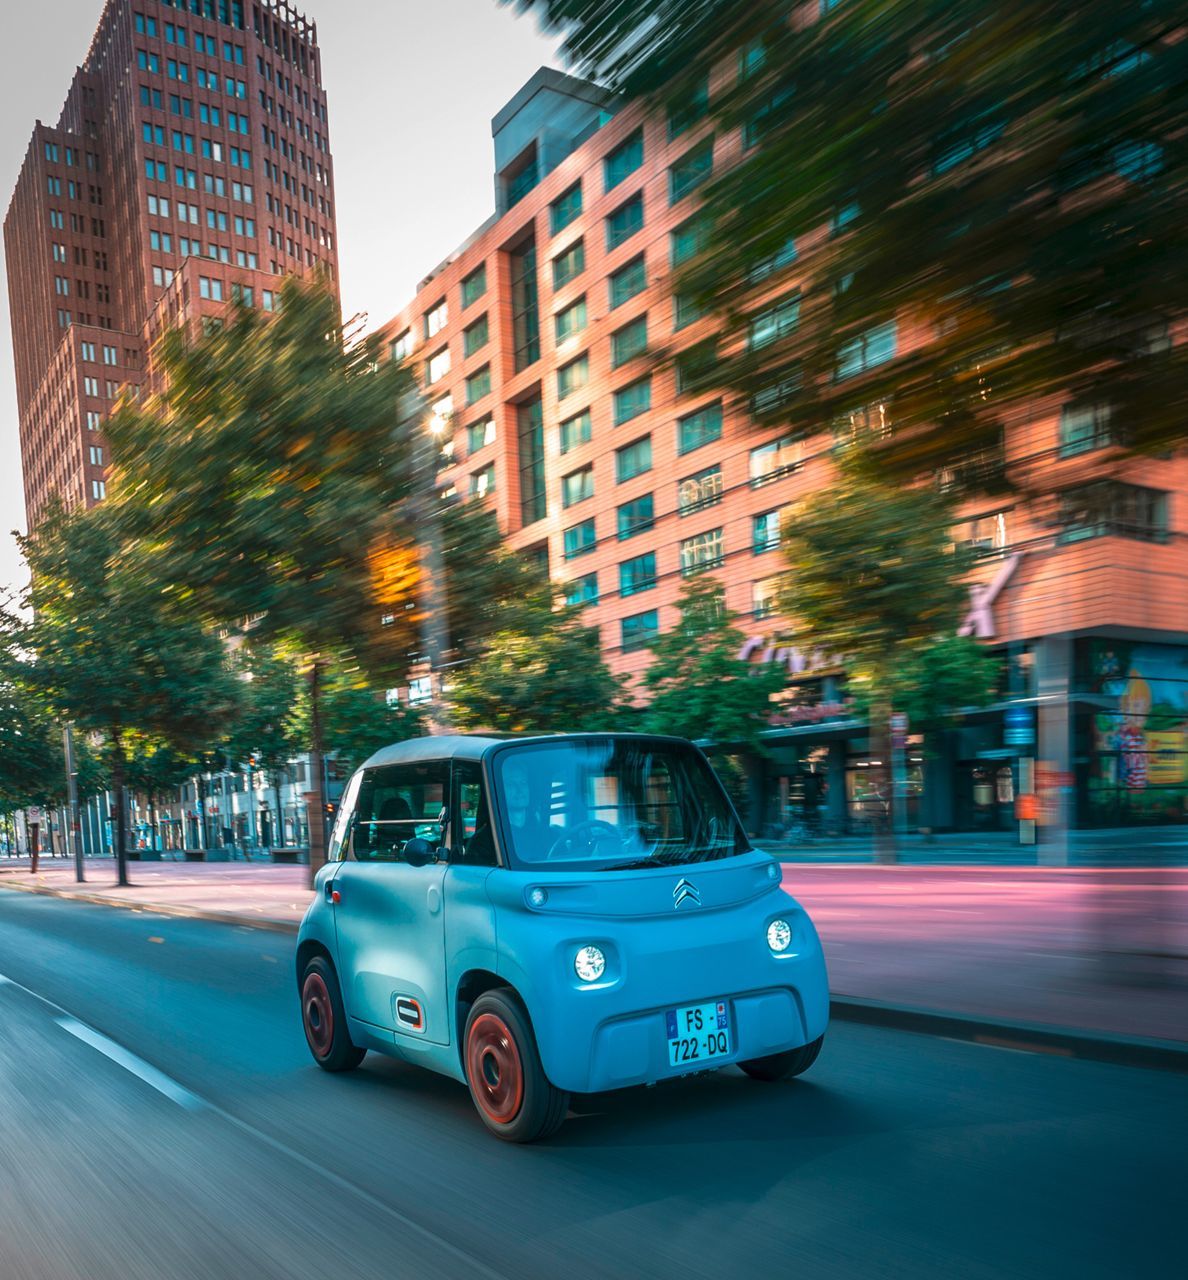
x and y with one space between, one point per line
72 794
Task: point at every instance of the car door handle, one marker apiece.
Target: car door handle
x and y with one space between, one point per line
332 894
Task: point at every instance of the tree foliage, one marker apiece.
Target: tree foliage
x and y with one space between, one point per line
111 652
1004 183
545 674
697 685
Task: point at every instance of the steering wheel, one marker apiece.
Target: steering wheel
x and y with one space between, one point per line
591 831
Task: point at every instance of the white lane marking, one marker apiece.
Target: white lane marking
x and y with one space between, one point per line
130 1062
474 1264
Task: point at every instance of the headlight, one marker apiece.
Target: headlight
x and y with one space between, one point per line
773 872
779 936
589 964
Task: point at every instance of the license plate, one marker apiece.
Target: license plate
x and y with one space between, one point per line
697 1033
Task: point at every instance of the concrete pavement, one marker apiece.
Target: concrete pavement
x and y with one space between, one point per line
1102 952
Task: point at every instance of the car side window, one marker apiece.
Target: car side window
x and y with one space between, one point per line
394 804
474 840
340 838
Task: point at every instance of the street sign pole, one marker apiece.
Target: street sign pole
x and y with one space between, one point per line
899 728
72 796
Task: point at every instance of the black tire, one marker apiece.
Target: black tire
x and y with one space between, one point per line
511 1092
324 1019
783 1066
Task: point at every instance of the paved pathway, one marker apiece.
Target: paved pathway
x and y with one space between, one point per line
1095 950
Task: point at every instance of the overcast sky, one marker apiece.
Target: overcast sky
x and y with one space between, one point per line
411 89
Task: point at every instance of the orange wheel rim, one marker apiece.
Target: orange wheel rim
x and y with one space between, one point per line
495 1069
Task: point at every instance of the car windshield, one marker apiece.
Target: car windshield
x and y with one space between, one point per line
612 803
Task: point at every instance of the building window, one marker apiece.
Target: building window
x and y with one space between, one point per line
693 106
578 539
475 336
89 353
689 239
525 307
777 394
632 400
573 376
565 208
697 429
530 433
696 367
571 321
1112 508
702 551
629 341
577 486
582 591
569 264
1085 427
438 365
625 221
765 532
765 597
94 418
638 574
639 630
91 386
690 171
478 384
986 535
96 453
575 431
623 160
436 318
685 311
701 490
479 435
636 516
774 322
98 490
627 282
784 256
869 350
633 459
769 462
482 482
474 285
401 347
441 415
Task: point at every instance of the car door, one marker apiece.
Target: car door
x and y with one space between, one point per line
390 914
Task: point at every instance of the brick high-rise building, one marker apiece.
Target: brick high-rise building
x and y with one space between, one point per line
568 383
190 165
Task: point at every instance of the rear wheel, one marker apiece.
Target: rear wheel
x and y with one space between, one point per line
503 1069
324 1019
783 1066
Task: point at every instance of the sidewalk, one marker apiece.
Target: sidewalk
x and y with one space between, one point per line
1103 952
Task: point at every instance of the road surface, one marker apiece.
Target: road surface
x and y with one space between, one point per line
160 1119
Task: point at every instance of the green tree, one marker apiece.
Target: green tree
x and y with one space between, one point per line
959 208
544 674
111 652
697 686
876 580
269 474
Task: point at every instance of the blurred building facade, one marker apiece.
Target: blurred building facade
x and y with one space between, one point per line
569 387
190 167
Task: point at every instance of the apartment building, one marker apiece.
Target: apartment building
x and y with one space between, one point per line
572 390
190 167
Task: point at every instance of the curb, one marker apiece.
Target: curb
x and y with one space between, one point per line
270 923
1028 1037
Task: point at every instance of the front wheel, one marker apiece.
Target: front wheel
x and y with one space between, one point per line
324 1019
503 1069
783 1066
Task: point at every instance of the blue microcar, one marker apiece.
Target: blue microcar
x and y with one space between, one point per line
541 916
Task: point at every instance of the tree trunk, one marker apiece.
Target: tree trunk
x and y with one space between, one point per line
880 750
152 808
316 811
117 785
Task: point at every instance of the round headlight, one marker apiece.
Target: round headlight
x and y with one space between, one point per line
779 935
589 964
537 897
773 872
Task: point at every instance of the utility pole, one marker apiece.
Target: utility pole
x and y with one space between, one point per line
72 796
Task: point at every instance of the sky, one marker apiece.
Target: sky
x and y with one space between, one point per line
411 89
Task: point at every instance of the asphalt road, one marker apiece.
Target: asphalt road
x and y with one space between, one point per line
160 1118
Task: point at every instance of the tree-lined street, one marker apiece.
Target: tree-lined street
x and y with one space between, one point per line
897 1155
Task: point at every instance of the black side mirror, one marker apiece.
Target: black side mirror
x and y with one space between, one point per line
418 852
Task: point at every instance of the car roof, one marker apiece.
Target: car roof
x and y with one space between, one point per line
473 746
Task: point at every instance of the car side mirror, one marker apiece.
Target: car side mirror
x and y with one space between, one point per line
418 852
